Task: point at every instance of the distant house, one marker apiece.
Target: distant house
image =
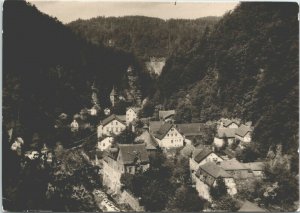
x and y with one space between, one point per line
74 126
190 130
200 157
226 123
236 169
132 114
105 143
107 111
257 168
224 134
169 137
112 125
250 207
127 158
166 115
206 177
149 141
243 133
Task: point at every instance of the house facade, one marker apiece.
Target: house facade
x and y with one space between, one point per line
223 135
169 137
236 169
243 133
105 143
110 126
127 158
132 114
206 177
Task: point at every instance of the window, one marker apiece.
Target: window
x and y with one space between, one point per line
171 135
175 134
171 141
103 144
168 135
117 129
116 122
107 129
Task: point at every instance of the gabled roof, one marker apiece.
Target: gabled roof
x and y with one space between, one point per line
111 118
154 126
202 155
135 109
190 129
243 130
232 165
250 207
213 170
132 152
163 130
226 133
164 114
228 122
255 166
150 141
122 118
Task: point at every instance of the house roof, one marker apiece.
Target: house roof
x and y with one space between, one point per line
163 130
149 140
111 118
226 133
232 164
243 130
164 114
135 109
255 166
122 117
131 152
214 170
250 207
202 155
154 126
227 122
190 129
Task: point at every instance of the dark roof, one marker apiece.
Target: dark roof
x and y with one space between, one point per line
250 207
111 118
202 154
243 130
149 140
255 166
163 130
190 129
232 165
131 152
228 122
213 170
226 133
154 126
164 114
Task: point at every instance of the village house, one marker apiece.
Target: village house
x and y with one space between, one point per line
105 143
223 135
227 123
257 168
127 158
169 137
243 133
112 125
132 114
149 141
190 131
236 169
203 156
206 177
166 115
74 126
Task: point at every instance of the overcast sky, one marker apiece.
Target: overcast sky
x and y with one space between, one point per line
67 11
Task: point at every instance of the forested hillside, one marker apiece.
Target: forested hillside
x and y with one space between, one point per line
49 70
246 67
144 36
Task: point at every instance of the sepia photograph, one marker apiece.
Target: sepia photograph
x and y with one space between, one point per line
150 106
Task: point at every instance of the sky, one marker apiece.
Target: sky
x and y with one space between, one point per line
67 11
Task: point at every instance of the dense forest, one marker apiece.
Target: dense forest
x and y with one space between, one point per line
246 67
49 70
144 36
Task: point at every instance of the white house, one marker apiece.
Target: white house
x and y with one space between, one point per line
202 156
207 175
226 123
169 137
105 143
74 126
243 133
132 114
112 125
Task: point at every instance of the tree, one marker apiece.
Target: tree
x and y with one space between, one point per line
226 203
219 190
249 154
125 137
